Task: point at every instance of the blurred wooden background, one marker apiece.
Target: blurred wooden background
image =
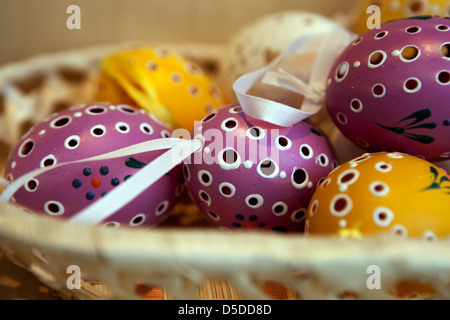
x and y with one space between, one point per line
30 27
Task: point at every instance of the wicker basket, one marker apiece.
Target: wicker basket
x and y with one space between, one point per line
185 258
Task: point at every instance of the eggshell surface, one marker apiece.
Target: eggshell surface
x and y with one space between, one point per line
66 142
387 90
253 175
382 193
259 42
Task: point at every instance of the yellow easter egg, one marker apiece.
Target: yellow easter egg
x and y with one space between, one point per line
382 192
172 87
398 9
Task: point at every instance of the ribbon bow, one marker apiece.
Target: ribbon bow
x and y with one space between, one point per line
326 48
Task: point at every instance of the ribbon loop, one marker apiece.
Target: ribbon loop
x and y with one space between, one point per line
283 79
325 48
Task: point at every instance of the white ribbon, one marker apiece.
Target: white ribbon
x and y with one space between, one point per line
132 187
327 48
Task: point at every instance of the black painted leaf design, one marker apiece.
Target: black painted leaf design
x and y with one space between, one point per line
419 138
418 117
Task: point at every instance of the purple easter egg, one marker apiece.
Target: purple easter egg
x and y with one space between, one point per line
80 133
254 175
389 89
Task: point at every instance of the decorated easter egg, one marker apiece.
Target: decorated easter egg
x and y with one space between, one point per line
384 194
71 151
387 90
259 42
387 10
250 174
376 193
172 87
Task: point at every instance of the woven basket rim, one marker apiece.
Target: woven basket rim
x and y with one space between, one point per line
15 222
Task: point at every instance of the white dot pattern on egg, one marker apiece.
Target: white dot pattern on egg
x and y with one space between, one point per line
80 133
253 175
382 192
387 90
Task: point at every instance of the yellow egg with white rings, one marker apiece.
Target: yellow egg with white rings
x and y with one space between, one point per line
382 193
174 88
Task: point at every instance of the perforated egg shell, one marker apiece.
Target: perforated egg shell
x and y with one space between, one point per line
252 175
388 89
382 193
399 9
81 133
159 79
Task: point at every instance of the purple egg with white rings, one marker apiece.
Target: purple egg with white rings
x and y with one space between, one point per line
252 175
64 141
389 89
